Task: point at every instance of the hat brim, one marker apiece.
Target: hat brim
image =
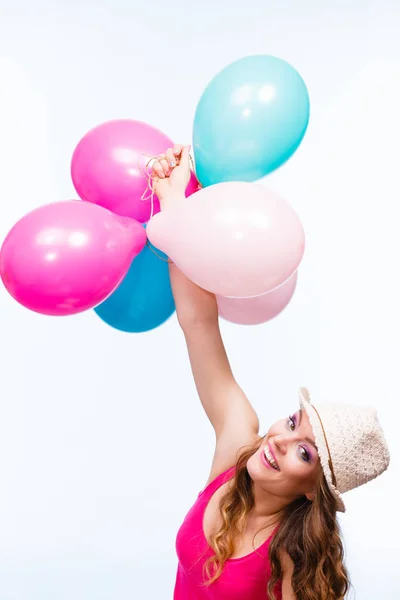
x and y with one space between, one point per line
323 453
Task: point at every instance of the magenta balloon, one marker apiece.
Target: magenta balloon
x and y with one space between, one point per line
67 257
259 309
193 186
105 166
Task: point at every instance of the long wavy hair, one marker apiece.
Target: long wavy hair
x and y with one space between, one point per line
308 532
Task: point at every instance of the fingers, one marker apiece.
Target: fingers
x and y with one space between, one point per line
163 166
177 149
171 158
173 155
158 169
185 156
160 166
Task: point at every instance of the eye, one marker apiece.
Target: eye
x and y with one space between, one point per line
292 422
304 454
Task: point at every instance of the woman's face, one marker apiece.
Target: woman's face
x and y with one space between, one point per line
287 464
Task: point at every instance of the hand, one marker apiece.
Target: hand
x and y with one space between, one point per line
171 173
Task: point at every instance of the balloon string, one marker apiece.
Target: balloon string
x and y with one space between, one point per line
152 178
168 260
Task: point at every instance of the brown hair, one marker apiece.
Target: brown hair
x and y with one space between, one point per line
308 532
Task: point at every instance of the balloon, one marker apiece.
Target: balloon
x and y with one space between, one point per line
233 239
66 257
250 119
259 309
105 167
144 299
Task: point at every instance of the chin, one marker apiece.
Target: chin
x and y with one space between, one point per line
255 468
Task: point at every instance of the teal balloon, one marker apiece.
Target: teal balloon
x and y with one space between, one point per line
144 300
250 120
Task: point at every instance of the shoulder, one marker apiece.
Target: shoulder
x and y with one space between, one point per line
228 448
219 480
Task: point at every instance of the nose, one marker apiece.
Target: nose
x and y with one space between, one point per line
280 443
282 440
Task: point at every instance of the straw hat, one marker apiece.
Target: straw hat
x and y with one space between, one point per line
350 443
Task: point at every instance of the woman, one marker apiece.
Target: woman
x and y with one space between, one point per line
265 526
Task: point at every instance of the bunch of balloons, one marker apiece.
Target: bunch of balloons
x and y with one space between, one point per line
236 238
232 237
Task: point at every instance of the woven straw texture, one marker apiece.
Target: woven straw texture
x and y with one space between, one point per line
356 442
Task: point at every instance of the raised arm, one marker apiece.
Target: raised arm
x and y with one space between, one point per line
233 418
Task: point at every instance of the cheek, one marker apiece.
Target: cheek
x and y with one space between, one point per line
255 460
300 475
295 468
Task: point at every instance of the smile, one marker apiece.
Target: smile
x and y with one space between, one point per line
268 458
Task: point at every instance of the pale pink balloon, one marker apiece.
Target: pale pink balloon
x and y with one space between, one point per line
108 164
67 257
258 309
233 239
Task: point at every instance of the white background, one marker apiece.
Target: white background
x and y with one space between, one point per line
103 442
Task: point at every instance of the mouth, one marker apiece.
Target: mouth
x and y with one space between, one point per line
270 458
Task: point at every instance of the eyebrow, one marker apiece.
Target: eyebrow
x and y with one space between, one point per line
307 438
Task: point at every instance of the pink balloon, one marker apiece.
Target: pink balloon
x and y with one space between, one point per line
259 309
67 257
233 239
105 167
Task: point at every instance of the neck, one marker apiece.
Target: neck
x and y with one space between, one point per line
268 506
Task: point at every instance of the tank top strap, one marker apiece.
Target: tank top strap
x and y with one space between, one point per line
216 483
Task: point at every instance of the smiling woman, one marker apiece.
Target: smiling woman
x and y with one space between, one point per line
265 526
290 455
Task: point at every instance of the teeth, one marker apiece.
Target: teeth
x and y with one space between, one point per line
270 458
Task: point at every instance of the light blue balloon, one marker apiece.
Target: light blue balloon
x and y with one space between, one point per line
144 300
250 119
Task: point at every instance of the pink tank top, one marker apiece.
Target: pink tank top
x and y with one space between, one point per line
242 578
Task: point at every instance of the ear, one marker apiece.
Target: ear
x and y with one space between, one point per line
311 496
